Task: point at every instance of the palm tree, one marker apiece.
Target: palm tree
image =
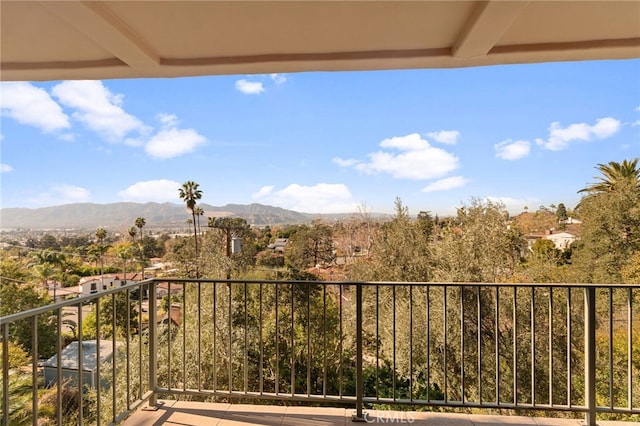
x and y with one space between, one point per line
614 176
190 193
46 265
124 252
140 223
199 211
101 234
132 234
93 254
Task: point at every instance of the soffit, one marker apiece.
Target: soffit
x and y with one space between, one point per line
55 40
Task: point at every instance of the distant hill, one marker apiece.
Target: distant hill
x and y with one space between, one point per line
156 215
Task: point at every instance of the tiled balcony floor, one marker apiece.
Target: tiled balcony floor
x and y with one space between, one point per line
178 413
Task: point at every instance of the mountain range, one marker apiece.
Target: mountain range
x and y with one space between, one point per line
157 215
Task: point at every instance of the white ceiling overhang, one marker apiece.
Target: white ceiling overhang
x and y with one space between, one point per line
60 40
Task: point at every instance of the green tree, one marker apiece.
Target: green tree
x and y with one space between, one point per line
48 265
400 251
479 247
610 235
631 271
615 176
124 252
610 213
12 269
561 212
24 297
545 248
190 194
216 253
425 221
106 317
310 246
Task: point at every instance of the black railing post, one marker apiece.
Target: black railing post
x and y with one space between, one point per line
153 345
590 355
5 373
359 416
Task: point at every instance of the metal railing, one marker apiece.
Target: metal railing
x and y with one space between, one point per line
571 349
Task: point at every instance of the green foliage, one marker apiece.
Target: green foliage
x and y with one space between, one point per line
23 297
614 177
631 271
546 249
123 316
310 246
12 269
269 259
610 234
479 247
561 212
400 251
17 355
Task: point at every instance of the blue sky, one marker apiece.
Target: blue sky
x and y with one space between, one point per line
524 135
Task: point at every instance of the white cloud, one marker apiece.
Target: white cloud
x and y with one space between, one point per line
72 194
32 106
167 120
278 78
448 137
446 184
512 150
249 87
169 143
419 161
342 162
605 127
5 168
98 108
160 191
320 198
62 194
560 138
263 192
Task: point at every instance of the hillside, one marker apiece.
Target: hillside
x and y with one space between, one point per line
118 215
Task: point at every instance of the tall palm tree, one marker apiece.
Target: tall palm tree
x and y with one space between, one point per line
190 193
124 252
140 223
132 233
614 176
199 211
101 234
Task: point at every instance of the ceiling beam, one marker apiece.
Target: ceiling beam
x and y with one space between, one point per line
96 21
487 24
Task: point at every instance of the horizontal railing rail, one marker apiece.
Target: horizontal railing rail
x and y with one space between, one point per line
566 348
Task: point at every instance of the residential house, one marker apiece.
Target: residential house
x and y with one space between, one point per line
163 289
278 245
96 284
562 240
70 365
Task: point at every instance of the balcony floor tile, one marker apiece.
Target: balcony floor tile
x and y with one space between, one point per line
185 413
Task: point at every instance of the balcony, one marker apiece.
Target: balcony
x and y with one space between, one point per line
338 351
